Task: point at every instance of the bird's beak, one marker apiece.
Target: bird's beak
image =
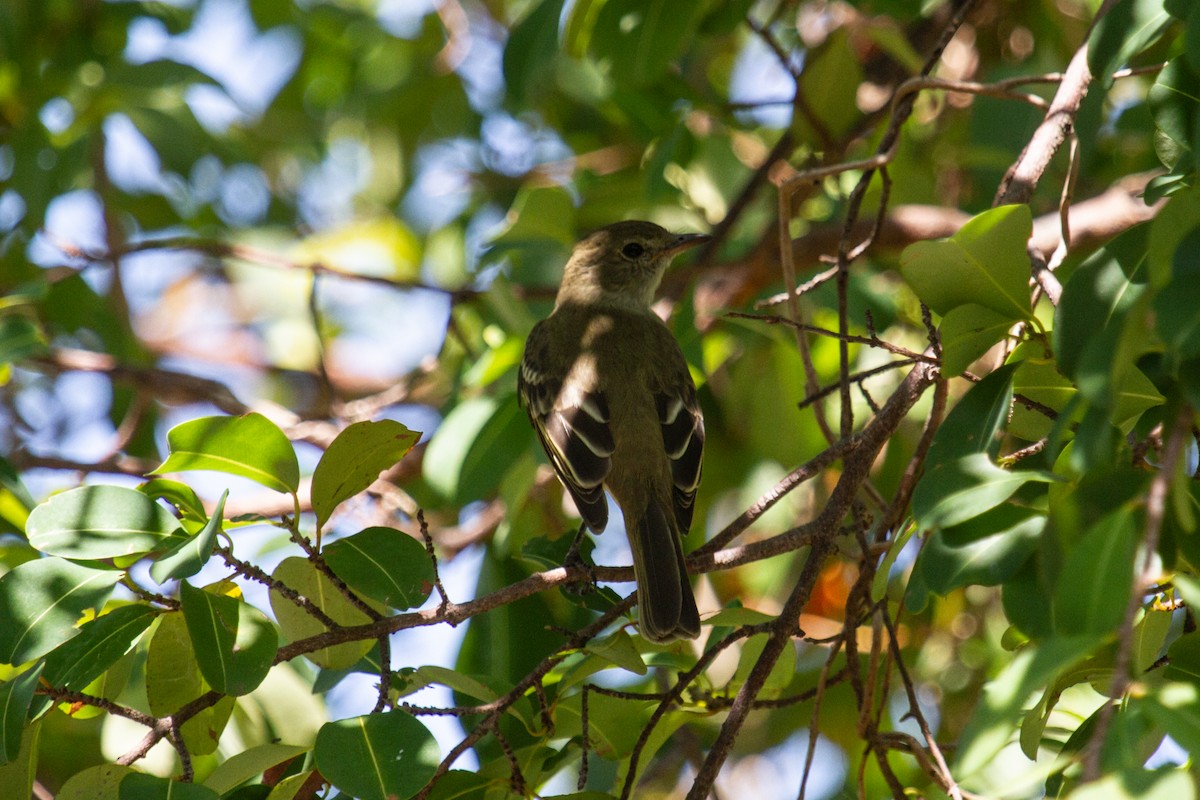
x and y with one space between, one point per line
684 241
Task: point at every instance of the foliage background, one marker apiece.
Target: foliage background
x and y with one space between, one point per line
327 213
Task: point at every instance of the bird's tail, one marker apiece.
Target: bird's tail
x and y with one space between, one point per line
666 606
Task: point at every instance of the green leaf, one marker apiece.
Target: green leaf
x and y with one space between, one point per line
1134 394
290 787
985 263
1166 783
173 680
235 644
974 422
1189 589
189 556
1174 99
1184 659
15 697
1127 29
781 674
384 564
531 49
619 649
377 756
296 623
354 460
19 339
241 767
96 522
1176 221
95 783
883 574
42 600
829 83
460 682
250 446
638 39
985 551
1038 379
539 236
1177 306
1096 581
1176 707
139 786
969 331
460 460
1148 637
1097 298
18 775
15 500
1002 706
967 488
178 494
581 21
78 661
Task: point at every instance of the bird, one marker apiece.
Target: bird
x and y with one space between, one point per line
609 394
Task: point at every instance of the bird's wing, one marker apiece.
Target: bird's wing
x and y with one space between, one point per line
683 437
573 427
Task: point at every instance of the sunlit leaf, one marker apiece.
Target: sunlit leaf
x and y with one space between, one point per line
354 460
178 494
78 661
96 522
243 766
251 446
42 600
1165 783
1002 704
173 680
95 783
188 557
985 263
296 623
968 331
986 550
1126 30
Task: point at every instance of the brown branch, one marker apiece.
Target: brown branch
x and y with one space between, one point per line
499 706
1023 176
1092 223
855 472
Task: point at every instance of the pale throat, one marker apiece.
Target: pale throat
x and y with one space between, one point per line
583 290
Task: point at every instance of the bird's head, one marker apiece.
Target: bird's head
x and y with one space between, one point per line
621 265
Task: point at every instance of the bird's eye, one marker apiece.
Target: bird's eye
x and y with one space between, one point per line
633 250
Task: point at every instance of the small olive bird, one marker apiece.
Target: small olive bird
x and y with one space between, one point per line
608 391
